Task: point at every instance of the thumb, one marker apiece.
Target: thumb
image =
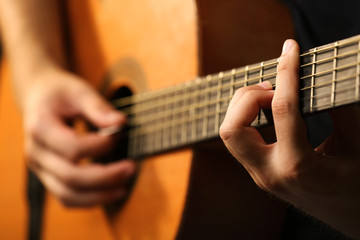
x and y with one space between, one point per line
98 111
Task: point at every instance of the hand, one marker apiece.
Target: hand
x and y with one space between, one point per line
323 181
53 147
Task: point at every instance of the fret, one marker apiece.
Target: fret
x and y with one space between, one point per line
334 74
261 73
207 100
185 111
357 84
194 112
218 104
160 116
246 76
232 82
312 81
175 118
165 132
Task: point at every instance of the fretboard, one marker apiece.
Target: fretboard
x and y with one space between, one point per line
192 112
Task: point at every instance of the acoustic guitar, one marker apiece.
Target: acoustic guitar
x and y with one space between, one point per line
145 52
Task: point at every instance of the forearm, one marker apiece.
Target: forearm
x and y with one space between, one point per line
31 34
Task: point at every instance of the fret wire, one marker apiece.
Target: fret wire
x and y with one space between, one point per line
164 130
261 73
174 119
161 118
312 82
357 85
333 85
246 76
152 129
206 107
218 97
232 82
193 123
185 114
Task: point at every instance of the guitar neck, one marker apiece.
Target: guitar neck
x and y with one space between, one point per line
192 112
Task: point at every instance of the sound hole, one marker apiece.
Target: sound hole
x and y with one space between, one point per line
119 151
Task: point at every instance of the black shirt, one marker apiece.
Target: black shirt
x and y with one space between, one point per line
318 22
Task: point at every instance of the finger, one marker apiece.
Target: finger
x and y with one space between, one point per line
60 138
241 91
75 198
245 109
98 111
289 126
244 141
83 177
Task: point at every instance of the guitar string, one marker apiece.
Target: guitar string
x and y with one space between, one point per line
166 123
204 93
172 128
182 121
183 117
153 126
171 125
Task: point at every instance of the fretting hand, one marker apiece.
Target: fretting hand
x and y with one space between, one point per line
324 181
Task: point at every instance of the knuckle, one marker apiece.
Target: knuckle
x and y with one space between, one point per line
225 133
281 107
240 91
33 128
67 202
73 153
65 198
282 66
250 95
69 178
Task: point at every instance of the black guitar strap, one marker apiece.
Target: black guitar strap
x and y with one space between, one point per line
36 199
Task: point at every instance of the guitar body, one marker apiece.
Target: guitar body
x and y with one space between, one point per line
145 45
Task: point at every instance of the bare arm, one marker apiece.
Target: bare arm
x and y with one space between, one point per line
32 37
49 97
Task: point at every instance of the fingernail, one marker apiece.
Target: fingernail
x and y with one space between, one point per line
108 131
287 47
113 116
265 85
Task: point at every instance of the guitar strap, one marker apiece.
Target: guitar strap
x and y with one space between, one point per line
36 199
